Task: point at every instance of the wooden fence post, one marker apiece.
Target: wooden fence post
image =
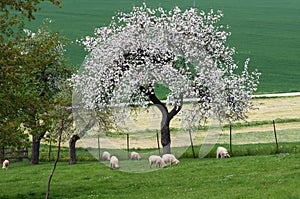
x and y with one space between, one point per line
192 143
99 156
128 145
230 138
275 134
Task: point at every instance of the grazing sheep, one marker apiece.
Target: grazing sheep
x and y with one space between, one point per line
105 156
222 152
157 160
135 156
170 158
114 162
5 164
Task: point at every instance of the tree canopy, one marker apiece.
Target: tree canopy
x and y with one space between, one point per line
33 72
185 51
43 80
33 75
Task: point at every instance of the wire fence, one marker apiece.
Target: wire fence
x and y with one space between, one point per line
271 129
274 123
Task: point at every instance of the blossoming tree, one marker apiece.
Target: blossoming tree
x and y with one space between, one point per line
183 50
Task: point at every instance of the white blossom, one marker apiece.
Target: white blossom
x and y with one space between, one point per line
184 50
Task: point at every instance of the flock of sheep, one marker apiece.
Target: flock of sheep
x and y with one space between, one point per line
159 161
153 159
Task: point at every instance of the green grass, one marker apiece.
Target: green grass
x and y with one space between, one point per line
273 176
289 135
248 149
267 148
261 122
266 31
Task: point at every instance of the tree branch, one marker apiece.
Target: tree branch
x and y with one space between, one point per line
87 126
154 99
176 109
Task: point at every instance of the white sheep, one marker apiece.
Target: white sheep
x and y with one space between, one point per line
114 162
5 164
105 156
157 160
222 152
170 158
135 156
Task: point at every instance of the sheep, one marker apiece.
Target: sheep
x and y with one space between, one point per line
170 158
114 162
222 152
157 160
105 156
135 156
5 164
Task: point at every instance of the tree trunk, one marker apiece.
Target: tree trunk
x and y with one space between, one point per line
72 149
166 118
2 153
165 135
167 149
35 150
49 151
57 157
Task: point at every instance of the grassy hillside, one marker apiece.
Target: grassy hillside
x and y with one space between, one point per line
274 176
266 31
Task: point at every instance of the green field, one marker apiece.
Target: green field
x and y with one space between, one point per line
273 176
266 31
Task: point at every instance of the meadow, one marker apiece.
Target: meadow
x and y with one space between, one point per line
255 170
265 31
272 176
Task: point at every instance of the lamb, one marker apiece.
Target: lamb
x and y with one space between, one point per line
5 164
105 156
170 158
135 156
157 160
114 162
222 152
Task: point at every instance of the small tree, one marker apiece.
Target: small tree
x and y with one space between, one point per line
63 121
62 112
12 19
43 69
183 50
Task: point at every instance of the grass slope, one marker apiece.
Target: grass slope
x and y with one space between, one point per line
266 31
275 176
